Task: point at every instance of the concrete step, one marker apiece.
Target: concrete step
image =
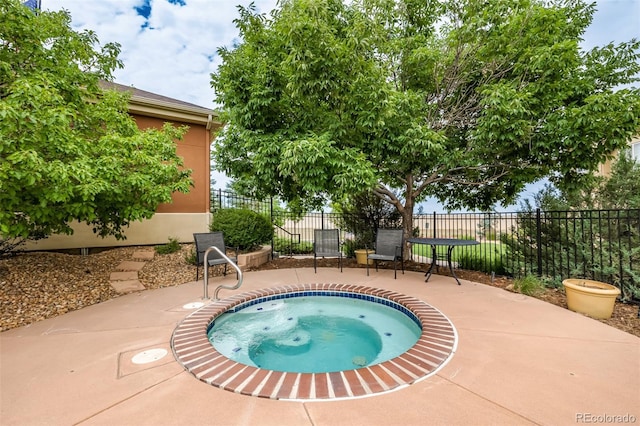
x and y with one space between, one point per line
123 276
130 265
127 286
144 254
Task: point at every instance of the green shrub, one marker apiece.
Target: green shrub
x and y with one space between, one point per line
242 228
478 262
171 247
305 247
529 285
191 258
363 214
349 248
281 245
507 238
491 236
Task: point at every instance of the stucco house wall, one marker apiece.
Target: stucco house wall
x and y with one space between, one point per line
187 213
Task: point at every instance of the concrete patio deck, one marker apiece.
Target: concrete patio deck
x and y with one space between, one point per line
519 361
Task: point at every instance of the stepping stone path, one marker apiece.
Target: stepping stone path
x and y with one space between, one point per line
125 278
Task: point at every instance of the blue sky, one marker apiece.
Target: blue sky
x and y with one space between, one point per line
169 46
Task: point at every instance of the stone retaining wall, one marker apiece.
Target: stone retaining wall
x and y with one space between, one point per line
255 258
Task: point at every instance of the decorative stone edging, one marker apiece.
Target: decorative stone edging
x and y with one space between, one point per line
434 348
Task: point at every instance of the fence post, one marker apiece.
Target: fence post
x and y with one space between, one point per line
434 225
273 236
539 241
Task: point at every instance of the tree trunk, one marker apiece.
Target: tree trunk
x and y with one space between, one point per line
407 227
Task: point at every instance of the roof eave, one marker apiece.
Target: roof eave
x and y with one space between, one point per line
174 112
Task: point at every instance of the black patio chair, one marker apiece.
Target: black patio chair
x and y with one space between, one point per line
326 243
203 241
389 247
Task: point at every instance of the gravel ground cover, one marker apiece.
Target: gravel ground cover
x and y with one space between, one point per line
40 285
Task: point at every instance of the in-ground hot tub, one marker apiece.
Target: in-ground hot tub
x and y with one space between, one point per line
435 345
321 332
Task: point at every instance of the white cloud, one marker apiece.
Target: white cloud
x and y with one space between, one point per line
176 52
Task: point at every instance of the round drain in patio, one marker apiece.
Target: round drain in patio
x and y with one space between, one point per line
193 305
148 356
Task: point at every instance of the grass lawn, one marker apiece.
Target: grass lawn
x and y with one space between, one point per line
491 249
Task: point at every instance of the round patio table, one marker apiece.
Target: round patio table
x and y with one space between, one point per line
450 243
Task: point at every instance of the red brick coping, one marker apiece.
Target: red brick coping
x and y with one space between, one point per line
432 351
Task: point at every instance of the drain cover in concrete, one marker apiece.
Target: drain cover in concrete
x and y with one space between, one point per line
150 355
193 305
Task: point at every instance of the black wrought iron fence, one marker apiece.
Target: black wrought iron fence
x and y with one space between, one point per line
489 229
603 245
294 234
221 199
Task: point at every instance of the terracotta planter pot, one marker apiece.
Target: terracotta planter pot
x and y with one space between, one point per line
361 256
593 298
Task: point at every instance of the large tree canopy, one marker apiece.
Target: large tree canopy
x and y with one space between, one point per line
68 150
464 100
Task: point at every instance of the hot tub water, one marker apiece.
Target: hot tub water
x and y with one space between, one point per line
313 334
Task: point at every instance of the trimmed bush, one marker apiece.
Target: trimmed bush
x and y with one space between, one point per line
242 228
475 262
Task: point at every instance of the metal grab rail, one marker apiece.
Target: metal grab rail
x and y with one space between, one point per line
206 274
291 234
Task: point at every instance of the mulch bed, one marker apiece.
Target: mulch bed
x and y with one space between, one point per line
36 286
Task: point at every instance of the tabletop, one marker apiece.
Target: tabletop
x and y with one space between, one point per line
443 241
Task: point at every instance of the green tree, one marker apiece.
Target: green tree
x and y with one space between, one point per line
69 150
466 101
594 233
362 214
621 189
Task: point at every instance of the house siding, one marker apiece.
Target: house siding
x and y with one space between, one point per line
194 150
187 213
